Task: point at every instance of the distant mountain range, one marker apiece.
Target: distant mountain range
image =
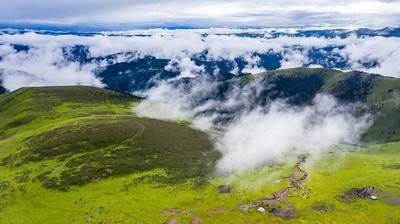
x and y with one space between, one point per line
139 72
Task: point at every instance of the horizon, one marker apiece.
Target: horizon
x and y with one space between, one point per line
99 28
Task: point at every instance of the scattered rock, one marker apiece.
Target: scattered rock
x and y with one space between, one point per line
359 193
225 189
393 166
373 197
273 203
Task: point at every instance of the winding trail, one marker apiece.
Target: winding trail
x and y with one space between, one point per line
297 178
272 203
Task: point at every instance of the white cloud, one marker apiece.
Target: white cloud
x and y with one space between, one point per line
185 66
253 66
258 137
255 135
6 49
294 59
163 102
45 59
385 51
41 67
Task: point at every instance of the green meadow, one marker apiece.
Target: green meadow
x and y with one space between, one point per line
81 155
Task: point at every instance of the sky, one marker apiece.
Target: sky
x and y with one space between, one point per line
203 13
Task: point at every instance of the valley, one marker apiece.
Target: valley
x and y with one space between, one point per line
79 154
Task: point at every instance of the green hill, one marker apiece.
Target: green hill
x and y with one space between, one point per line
89 133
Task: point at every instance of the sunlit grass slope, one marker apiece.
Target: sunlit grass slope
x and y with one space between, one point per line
79 155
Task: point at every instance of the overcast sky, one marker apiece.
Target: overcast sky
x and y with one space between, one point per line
273 13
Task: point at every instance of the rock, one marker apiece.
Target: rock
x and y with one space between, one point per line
224 189
362 192
261 209
373 197
359 193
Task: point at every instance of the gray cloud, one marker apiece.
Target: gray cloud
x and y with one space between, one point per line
205 13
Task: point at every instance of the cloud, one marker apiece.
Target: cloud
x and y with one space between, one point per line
385 51
185 67
42 67
47 59
164 98
205 13
254 134
294 59
260 137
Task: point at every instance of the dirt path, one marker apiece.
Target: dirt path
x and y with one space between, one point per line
274 203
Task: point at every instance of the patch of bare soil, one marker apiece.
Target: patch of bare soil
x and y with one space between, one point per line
323 207
225 189
215 211
174 213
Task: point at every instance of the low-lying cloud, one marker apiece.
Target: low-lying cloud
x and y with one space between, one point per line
260 137
42 67
254 135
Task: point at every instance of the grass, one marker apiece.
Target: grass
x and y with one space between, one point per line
129 199
93 161
85 142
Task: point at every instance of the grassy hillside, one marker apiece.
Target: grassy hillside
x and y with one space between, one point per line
79 155
62 137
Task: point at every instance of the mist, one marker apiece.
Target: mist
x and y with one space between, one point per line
250 135
264 136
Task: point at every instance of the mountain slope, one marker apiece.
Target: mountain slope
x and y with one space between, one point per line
87 134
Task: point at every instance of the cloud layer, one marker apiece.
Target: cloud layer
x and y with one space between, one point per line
48 59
